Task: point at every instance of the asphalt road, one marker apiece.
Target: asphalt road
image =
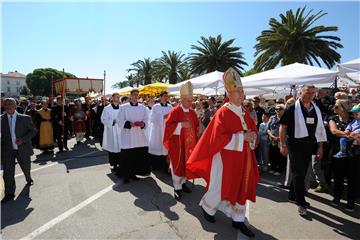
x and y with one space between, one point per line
75 196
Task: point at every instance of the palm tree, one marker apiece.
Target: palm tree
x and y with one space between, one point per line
170 65
131 80
185 73
119 85
144 70
294 40
213 54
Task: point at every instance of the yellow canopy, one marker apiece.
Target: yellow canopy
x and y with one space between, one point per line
153 89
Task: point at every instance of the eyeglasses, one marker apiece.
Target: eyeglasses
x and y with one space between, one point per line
278 109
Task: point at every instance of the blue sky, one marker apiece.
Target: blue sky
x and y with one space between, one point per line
88 38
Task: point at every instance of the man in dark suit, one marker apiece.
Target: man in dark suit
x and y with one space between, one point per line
58 123
17 130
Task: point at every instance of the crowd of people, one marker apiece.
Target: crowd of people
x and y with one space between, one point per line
229 141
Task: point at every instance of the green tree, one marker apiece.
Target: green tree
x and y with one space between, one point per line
119 85
39 81
170 65
24 90
131 80
185 73
249 72
144 70
214 54
293 39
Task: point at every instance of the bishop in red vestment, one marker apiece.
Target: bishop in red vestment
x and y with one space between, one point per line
180 137
224 157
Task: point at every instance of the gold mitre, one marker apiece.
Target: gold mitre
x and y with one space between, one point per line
231 79
186 90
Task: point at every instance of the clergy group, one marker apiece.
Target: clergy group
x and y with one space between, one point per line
141 138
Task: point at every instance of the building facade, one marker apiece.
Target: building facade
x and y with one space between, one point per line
11 83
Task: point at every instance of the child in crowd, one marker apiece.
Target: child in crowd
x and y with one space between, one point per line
352 127
263 160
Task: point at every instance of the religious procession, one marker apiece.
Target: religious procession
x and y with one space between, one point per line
182 120
227 141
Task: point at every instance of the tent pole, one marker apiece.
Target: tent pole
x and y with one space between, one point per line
63 108
104 82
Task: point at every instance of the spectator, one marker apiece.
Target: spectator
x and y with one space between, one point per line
248 105
263 148
277 160
205 119
345 167
259 111
16 133
302 133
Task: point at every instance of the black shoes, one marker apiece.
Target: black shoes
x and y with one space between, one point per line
350 206
178 194
185 188
7 198
293 200
208 217
134 177
30 183
335 202
243 228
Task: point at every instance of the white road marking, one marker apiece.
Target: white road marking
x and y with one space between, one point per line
68 213
52 164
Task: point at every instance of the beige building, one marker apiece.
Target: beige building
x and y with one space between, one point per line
11 83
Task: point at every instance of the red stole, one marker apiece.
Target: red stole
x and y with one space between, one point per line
240 174
180 146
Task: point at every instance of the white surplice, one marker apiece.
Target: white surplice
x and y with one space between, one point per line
111 137
157 129
134 137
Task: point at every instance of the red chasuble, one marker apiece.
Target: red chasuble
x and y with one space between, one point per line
240 173
180 146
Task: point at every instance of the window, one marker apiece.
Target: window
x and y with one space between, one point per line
8 82
8 89
18 90
18 82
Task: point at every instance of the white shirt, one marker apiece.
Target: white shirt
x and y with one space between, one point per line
12 123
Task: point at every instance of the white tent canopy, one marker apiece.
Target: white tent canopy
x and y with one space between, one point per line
293 74
212 84
211 80
350 71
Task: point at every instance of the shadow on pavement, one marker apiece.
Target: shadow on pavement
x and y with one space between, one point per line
149 196
80 156
94 159
222 227
340 225
271 192
16 211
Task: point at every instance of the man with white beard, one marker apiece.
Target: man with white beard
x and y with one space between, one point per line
157 120
112 130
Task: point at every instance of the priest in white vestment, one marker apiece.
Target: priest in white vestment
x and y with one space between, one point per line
111 138
134 153
159 113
